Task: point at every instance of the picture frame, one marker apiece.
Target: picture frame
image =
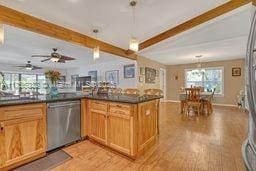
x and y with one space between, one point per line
94 75
112 76
141 79
142 71
129 71
150 75
236 71
73 79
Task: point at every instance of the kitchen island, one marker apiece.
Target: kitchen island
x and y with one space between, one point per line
126 124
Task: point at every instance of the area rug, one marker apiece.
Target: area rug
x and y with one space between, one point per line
47 163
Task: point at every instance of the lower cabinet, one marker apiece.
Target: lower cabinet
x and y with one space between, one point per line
99 126
120 133
127 128
22 134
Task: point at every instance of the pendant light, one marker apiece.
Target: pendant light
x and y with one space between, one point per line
134 42
199 70
1 34
96 50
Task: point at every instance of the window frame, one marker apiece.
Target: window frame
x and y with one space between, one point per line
209 68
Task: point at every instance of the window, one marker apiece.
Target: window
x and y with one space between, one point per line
16 82
210 79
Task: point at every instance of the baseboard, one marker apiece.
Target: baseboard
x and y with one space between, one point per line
215 104
174 101
228 105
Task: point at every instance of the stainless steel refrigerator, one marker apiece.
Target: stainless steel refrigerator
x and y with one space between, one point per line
249 145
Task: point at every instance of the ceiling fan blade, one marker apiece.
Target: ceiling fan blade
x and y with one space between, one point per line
20 66
36 67
41 56
61 61
46 60
67 58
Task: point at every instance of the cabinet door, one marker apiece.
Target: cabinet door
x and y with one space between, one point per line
98 126
120 132
22 139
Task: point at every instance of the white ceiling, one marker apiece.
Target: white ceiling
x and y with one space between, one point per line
220 39
223 38
19 45
114 17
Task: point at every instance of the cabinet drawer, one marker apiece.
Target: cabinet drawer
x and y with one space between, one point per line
22 111
99 105
118 108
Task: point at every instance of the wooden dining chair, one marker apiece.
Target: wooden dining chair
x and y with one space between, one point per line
153 91
131 91
208 102
115 91
192 99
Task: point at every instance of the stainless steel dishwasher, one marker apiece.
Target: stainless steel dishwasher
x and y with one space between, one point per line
63 123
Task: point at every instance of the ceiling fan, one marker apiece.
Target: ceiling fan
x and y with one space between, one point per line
29 66
55 57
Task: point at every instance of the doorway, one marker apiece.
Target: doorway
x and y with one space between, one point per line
162 75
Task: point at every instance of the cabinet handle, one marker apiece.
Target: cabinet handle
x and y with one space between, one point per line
1 126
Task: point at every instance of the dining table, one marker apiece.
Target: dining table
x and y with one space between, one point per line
182 97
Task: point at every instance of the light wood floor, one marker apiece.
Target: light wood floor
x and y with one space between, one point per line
196 143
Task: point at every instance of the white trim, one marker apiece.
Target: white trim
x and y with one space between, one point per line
214 104
228 105
164 82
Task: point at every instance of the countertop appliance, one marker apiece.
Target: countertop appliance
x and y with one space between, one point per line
63 123
249 145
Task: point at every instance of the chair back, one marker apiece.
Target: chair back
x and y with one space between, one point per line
212 95
153 92
115 91
193 94
131 91
200 87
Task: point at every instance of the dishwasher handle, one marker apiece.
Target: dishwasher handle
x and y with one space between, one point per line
65 104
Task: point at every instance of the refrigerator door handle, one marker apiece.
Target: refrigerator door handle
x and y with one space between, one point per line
250 62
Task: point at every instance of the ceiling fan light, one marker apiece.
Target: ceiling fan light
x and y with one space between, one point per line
1 34
55 59
96 52
134 44
29 68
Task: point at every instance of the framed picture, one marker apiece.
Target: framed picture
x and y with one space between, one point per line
141 79
112 77
142 71
150 75
236 72
73 79
93 75
129 71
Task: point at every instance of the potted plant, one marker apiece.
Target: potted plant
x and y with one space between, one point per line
53 77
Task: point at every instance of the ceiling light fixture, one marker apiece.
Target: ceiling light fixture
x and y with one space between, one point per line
55 59
96 50
199 70
134 42
1 34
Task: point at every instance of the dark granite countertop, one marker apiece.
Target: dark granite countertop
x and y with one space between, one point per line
132 99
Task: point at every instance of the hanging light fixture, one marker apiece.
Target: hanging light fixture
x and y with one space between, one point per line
199 70
96 50
1 34
134 42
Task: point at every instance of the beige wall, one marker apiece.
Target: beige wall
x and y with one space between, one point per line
144 62
232 85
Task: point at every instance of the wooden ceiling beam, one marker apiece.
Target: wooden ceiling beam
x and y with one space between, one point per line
21 20
209 15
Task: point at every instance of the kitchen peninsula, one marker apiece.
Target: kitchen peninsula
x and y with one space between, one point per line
126 124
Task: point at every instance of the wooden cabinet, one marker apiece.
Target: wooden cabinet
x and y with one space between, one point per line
22 134
120 132
98 121
127 128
